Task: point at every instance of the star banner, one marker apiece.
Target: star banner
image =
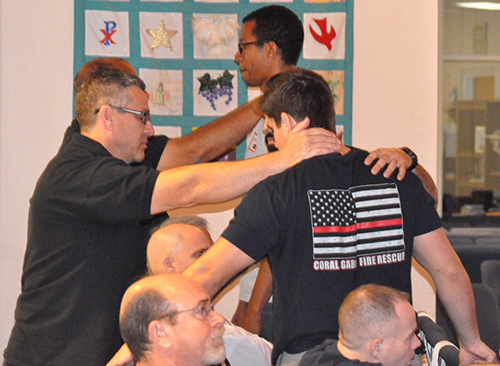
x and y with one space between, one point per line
161 35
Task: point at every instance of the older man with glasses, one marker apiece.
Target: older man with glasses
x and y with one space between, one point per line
168 319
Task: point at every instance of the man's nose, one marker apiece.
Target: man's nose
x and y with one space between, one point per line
217 320
149 130
238 57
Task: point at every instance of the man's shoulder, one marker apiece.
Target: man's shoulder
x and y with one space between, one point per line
327 354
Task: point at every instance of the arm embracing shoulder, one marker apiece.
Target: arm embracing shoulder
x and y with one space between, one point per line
218 265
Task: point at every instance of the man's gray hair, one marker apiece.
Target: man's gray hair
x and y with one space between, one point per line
193 220
146 306
103 86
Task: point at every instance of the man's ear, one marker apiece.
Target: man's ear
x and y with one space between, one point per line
376 348
169 264
106 115
272 49
160 333
287 122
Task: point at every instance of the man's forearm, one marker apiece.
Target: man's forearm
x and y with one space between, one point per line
211 140
222 181
434 252
218 265
212 182
262 292
458 299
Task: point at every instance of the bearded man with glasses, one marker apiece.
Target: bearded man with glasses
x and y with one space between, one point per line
167 319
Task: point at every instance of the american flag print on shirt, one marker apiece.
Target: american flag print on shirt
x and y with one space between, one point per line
359 221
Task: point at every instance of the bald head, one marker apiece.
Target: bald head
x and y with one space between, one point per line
378 324
163 316
96 63
174 247
169 288
368 311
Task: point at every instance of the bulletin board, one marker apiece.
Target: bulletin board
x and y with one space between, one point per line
184 51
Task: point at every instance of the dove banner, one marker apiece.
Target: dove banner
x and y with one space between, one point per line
184 51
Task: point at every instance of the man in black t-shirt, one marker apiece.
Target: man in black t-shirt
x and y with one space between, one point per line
328 226
90 216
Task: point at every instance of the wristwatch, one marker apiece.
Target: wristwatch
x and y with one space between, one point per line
413 156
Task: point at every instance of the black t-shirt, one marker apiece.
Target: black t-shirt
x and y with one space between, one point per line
327 354
88 227
329 226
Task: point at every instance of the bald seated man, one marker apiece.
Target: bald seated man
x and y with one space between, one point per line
377 326
177 243
168 319
173 247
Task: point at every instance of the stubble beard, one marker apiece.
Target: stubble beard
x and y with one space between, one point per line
217 350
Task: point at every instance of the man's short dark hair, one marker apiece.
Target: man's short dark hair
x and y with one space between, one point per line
103 86
300 93
282 26
141 311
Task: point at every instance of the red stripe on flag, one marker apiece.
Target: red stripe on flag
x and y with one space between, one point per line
334 229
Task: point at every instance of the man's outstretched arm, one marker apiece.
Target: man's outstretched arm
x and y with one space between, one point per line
218 266
222 181
211 140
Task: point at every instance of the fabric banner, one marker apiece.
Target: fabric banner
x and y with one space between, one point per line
184 51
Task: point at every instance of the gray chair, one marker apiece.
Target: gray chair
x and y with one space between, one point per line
488 316
488 240
456 241
487 313
490 274
473 255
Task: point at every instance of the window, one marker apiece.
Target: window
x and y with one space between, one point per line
470 98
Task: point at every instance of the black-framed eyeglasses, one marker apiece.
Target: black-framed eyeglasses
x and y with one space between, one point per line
144 117
241 45
203 311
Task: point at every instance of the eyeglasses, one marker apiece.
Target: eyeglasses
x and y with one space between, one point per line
241 45
144 117
203 311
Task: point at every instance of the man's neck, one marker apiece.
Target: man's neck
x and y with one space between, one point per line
353 354
275 71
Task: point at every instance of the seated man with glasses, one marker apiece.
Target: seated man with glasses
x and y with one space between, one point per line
176 244
168 319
